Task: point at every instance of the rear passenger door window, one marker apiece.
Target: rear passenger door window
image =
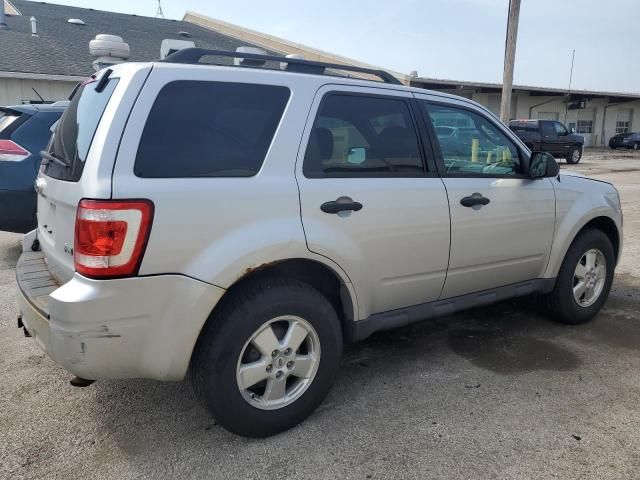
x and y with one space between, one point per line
209 129
363 136
471 145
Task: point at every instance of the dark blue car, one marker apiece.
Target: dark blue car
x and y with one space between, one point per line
24 131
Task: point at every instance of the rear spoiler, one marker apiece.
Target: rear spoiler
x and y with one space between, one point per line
18 110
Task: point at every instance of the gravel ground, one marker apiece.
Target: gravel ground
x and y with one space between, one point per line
498 392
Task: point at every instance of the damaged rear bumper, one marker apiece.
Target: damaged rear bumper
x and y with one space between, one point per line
123 328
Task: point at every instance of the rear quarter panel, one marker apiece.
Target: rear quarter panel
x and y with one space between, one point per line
219 229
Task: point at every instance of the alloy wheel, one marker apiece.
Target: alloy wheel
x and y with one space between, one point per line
589 277
278 362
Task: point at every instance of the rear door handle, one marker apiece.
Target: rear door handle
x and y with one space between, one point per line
475 199
342 204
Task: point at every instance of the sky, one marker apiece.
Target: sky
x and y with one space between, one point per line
448 39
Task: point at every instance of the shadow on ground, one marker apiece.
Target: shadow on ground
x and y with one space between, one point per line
508 339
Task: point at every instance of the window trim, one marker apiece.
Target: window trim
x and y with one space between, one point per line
439 158
429 167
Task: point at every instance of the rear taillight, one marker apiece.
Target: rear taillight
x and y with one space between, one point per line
10 151
111 236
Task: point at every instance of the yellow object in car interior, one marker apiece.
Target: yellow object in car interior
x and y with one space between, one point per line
475 144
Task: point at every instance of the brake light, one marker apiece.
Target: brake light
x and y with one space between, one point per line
10 151
111 236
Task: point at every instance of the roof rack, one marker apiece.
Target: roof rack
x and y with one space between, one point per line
193 56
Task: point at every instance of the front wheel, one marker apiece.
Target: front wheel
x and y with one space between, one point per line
574 155
584 279
268 357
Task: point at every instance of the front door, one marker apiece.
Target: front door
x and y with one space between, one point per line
502 222
550 142
371 199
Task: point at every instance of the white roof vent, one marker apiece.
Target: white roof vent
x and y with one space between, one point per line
283 65
76 21
248 62
108 50
171 45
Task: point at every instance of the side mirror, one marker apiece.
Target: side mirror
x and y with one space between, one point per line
542 164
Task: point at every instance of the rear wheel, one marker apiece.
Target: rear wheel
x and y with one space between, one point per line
574 155
268 357
584 279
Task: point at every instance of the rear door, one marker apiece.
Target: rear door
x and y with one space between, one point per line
502 222
370 197
84 144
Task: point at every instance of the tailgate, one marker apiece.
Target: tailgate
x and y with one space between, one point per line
80 157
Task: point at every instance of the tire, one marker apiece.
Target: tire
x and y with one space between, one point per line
561 302
224 346
574 155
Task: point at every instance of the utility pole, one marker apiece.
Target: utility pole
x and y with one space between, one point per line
159 13
509 59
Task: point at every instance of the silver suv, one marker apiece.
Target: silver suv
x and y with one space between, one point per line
238 224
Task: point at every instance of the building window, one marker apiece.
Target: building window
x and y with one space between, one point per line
623 127
584 126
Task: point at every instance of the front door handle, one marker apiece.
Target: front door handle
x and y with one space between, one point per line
475 199
342 204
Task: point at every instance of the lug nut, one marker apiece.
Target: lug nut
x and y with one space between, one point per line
274 354
287 351
279 374
289 365
269 368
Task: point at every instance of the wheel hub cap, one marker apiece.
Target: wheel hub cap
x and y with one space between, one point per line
278 362
589 277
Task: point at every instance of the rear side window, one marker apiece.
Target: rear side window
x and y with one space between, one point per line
76 128
7 119
209 129
363 136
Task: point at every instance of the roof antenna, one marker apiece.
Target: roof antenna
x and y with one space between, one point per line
159 13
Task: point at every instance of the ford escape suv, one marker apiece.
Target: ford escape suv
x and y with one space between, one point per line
237 224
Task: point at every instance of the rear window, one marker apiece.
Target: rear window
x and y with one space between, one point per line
524 127
34 134
209 129
75 130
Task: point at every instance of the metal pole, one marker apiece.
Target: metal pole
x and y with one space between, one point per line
573 56
509 59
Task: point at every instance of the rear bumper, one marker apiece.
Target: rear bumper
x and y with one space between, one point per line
17 210
126 328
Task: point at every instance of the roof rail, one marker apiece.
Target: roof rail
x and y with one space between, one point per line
193 56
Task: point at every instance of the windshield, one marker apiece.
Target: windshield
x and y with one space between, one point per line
75 130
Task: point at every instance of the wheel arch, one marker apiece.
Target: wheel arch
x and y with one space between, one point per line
327 280
601 222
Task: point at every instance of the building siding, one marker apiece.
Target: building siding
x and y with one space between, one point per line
14 91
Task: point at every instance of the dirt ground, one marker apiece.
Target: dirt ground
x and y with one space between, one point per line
499 392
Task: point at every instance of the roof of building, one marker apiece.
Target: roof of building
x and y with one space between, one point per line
62 48
446 84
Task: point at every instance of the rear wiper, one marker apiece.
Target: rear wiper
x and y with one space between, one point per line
50 158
